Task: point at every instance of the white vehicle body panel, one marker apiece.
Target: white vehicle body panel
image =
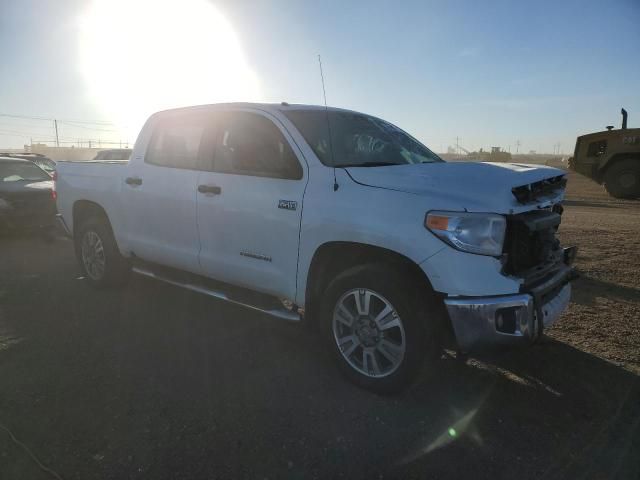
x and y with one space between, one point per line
97 182
247 237
168 222
161 221
461 186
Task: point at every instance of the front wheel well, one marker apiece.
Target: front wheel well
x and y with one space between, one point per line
616 159
332 258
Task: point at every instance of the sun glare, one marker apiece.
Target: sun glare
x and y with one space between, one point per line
140 56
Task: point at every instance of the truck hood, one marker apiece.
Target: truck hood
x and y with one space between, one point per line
472 186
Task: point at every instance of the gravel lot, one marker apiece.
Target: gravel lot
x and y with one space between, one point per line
158 383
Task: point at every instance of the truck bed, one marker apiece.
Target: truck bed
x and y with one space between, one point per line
98 181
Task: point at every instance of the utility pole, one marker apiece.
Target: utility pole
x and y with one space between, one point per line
518 146
457 146
55 124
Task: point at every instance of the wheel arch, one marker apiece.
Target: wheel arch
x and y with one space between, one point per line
618 157
333 257
85 209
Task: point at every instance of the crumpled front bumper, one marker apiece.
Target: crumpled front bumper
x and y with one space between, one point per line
484 322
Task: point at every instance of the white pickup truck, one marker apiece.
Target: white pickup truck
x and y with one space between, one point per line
333 217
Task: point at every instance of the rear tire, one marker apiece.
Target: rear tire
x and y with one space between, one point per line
378 351
98 255
622 179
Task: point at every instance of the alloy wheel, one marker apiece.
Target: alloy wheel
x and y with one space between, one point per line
93 258
369 333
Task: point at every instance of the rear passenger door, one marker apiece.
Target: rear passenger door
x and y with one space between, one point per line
160 192
250 204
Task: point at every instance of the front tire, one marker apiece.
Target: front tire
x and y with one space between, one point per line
98 255
622 179
380 326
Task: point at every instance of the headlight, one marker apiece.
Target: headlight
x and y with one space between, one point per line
481 233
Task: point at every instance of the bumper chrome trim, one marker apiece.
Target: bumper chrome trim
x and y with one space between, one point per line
475 321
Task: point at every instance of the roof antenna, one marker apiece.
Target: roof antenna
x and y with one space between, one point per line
326 111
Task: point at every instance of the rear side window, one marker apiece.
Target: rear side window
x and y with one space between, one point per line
250 144
597 148
176 142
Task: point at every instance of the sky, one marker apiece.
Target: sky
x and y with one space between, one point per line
491 73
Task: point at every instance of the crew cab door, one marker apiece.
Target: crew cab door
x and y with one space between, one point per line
160 192
250 204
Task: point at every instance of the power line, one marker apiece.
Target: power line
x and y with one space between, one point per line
84 122
84 140
23 134
25 123
30 128
73 124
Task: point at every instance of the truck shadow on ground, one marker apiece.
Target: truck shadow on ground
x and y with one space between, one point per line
587 289
157 382
593 204
551 401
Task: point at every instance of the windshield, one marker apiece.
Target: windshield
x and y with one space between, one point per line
21 171
358 140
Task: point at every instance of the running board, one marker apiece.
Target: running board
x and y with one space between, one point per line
220 294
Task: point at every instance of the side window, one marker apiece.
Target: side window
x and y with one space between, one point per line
176 142
597 148
250 144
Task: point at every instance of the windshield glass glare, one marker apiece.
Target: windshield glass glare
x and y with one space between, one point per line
18 171
358 140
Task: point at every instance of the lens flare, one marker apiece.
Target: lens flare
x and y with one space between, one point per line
140 56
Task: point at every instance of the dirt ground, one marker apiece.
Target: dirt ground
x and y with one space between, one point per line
155 382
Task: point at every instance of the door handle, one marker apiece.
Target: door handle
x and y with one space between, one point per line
133 181
209 189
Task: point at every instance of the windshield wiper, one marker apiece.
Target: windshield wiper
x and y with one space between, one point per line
368 164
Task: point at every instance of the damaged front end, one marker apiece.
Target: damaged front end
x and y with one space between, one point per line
532 253
540 190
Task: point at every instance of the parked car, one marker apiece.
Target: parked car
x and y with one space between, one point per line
114 154
45 163
333 217
26 198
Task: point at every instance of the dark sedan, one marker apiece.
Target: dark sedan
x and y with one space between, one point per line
26 199
43 162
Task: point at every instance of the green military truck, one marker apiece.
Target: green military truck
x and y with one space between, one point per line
611 158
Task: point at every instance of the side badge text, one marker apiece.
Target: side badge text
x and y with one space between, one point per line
288 204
